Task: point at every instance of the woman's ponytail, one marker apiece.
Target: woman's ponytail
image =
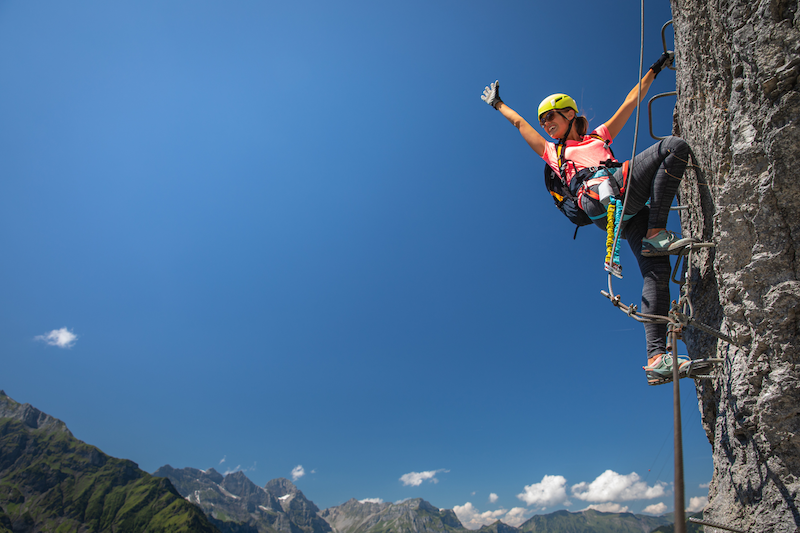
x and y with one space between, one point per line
581 125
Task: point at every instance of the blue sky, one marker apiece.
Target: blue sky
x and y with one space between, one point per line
263 235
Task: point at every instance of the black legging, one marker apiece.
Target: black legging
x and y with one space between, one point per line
656 176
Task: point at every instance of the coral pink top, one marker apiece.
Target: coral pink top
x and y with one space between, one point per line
589 152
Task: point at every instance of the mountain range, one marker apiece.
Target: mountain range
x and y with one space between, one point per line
51 481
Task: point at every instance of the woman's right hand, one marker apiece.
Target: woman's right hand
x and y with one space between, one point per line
491 95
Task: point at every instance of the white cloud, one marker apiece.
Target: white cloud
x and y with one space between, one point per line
472 518
493 497
516 516
705 485
610 486
371 500
550 491
298 472
608 507
697 504
223 459
63 338
238 467
655 509
415 479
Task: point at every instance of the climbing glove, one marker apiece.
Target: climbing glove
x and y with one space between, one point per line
665 60
491 95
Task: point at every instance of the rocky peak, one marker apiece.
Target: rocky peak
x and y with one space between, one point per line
281 487
410 515
186 476
353 505
499 527
240 485
213 475
236 504
29 415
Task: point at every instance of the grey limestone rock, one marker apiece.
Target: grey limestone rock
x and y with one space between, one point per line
738 107
237 505
29 415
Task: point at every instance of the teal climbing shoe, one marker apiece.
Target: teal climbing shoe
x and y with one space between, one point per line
665 243
661 369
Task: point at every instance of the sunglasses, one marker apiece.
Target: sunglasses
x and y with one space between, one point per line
547 117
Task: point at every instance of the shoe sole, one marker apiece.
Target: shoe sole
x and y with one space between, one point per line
674 249
659 380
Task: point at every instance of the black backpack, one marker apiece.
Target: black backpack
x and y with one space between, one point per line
565 200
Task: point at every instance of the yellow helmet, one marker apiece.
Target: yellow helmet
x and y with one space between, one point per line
557 101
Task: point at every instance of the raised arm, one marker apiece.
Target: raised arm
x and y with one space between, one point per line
491 95
615 123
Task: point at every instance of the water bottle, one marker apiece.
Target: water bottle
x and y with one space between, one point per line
605 192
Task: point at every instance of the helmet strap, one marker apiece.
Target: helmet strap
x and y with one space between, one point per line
569 128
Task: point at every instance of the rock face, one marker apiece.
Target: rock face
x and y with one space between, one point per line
31 417
738 107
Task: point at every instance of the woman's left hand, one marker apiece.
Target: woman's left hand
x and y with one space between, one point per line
665 60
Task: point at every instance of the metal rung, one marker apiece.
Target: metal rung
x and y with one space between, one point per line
702 365
714 524
678 207
664 40
650 112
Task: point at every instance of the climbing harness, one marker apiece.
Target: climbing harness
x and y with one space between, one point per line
567 193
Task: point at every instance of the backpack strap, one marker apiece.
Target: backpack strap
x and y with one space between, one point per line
561 149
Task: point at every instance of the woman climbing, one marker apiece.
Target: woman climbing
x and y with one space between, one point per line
655 176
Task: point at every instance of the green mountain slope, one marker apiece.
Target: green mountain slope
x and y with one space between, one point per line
51 481
591 521
498 527
421 517
410 516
